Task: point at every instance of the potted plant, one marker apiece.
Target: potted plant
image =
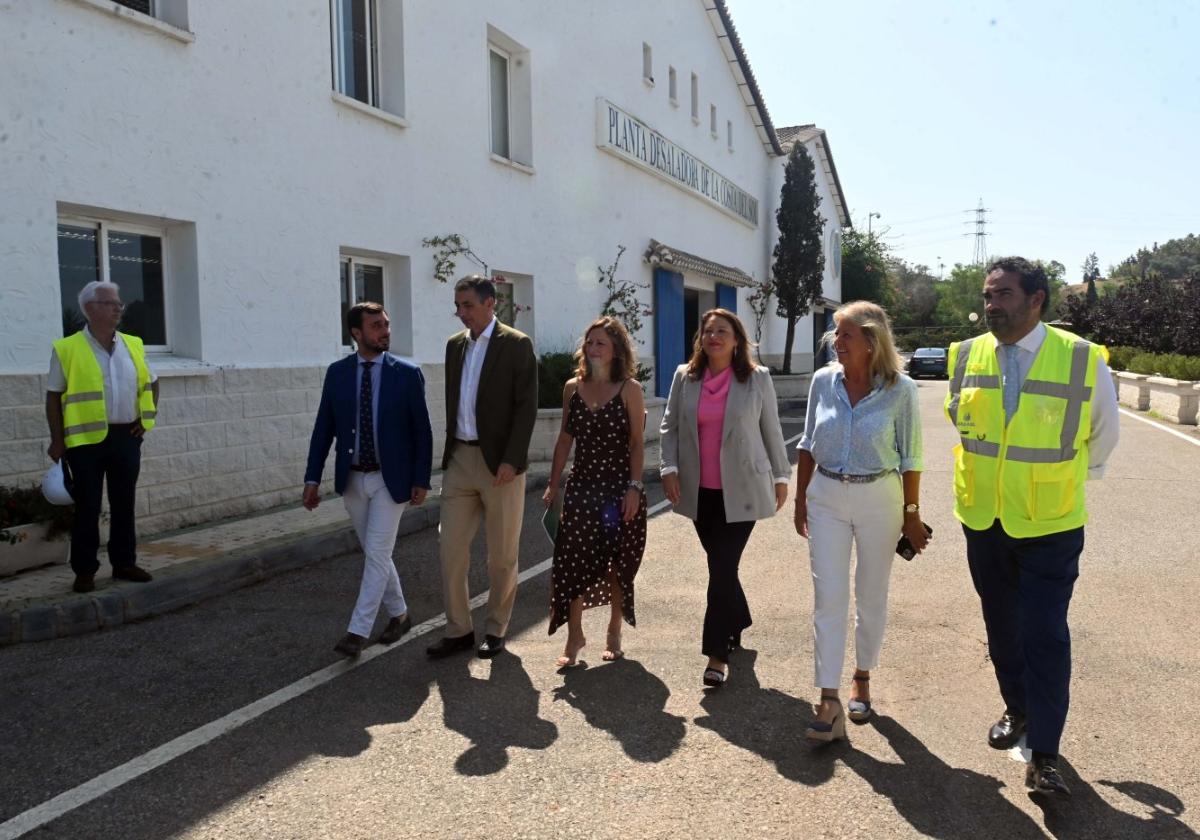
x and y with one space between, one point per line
33 532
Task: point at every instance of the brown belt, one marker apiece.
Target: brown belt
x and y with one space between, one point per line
362 469
467 442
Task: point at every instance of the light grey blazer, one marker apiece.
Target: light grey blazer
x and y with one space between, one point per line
753 455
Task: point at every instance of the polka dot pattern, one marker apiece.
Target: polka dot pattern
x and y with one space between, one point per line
592 538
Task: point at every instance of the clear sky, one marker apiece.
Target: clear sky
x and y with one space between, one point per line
1077 123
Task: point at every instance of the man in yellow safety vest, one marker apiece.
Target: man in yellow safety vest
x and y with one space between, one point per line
101 399
1036 413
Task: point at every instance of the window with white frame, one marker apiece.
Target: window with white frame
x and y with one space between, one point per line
672 86
361 280
695 98
367 40
712 120
171 12
506 304
132 256
355 50
729 134
499 94
647 64
510 99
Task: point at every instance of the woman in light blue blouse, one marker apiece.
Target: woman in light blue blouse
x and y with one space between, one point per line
857 481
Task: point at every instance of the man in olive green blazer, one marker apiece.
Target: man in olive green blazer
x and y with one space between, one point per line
491 407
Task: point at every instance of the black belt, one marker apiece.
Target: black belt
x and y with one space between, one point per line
366 469
467 442
853 479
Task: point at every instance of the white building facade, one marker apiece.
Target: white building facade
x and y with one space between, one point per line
247 170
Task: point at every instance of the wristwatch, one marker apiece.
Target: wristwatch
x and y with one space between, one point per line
634 484
911 508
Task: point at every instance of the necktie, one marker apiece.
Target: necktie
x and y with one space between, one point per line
366 428
1012 380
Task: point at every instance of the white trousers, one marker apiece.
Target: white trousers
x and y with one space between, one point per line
376 519
870 516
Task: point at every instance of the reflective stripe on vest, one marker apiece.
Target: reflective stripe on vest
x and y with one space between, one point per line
1076 392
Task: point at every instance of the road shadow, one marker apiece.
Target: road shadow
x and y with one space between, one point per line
627 701
1086 814
936 799
767 722
494 713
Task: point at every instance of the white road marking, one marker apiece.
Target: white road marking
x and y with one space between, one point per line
1167 429
93 789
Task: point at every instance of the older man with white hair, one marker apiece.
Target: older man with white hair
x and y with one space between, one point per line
101 400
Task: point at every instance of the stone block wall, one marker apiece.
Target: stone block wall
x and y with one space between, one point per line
229 441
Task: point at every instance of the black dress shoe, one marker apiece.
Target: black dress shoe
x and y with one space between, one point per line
448 645
396 628
492 645
1042 776
1006 732
134 573
84 583
351 645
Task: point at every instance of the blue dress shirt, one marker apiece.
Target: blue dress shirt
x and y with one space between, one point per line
882 432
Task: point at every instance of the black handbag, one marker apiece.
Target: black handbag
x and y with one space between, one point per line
905 547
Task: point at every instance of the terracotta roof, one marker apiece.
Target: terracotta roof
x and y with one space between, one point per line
660 254
792 134
739 65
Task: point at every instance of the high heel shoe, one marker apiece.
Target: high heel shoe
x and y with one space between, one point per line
859 711
819 732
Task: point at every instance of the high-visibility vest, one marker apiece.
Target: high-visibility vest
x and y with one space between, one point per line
1030 473
85 419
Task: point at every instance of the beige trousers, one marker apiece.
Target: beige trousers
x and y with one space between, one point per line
468 494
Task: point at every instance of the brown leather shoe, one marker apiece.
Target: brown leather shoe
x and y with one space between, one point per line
84 583
134 573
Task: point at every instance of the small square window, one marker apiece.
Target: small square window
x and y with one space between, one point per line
361 280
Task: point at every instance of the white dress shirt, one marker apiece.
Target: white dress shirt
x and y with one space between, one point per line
468 388
1105 413
120 379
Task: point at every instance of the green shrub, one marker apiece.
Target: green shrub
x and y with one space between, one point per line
554 369
1118 357
1171 365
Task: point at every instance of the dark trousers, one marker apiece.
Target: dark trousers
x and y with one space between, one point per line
117 459
1025 588
727 614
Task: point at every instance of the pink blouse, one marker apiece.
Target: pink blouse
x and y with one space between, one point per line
710 420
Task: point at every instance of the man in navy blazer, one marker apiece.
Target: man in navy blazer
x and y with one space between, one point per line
373 404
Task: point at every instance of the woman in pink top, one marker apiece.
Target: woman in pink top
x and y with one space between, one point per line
724 466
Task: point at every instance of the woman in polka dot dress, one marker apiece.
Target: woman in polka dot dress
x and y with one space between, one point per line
602 530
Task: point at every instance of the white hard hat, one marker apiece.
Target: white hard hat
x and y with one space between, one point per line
56 485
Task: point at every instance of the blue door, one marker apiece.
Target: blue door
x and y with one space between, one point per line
668 328
727 297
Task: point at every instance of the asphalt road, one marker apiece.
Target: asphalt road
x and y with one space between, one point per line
402 747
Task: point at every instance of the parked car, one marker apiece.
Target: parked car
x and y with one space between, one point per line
928 361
